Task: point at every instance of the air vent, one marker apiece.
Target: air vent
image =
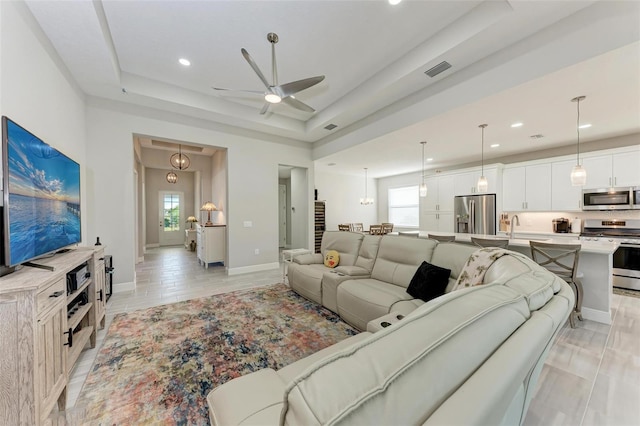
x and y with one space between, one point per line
442 66
538 136
330 126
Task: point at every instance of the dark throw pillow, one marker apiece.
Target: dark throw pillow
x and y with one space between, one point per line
429 282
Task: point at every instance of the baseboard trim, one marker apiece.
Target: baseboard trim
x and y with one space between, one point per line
595 315
148 246
122 287
253 268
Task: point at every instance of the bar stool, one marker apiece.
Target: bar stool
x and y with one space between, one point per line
442 238
562 260
490 242
375 229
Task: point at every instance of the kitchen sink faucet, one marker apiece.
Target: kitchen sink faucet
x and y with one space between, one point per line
515 220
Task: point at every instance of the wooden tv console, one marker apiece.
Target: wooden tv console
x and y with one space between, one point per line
40 340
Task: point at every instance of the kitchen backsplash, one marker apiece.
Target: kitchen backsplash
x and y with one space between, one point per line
542 221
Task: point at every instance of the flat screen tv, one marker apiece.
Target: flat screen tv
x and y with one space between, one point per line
41 196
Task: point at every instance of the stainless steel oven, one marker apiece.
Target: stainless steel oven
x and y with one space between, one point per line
626 266
607 199
626 258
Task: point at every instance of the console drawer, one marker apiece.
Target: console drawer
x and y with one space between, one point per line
51 295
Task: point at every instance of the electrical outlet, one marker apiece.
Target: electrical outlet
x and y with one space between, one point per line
247 224
256 251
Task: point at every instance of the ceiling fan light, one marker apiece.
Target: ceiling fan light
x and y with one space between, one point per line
272 98
482 185
578 175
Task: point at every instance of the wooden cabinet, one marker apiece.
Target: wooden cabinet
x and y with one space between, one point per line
51 356
40 338
211 242
619 169
100 288
527 188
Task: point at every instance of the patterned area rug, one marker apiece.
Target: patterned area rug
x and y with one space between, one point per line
158 365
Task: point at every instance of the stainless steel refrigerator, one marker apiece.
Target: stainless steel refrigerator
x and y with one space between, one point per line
475 214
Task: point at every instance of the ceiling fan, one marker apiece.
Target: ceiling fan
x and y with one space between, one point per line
275 92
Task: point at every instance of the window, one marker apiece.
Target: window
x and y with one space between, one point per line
171 212
404 206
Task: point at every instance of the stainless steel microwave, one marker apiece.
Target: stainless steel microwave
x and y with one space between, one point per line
607 199
635 196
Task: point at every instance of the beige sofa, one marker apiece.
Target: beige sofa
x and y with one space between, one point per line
305 274
375 282
471 356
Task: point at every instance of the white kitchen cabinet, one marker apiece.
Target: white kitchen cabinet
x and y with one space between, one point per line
210 244
527 188
439 193
564 196
437 221
467 183
621 169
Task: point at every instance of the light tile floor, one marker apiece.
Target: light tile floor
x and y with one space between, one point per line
591 377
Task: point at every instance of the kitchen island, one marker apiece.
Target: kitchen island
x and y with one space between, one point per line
596 264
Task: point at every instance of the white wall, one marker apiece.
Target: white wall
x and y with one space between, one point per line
252 181
38 95
300 195
219 186
342 194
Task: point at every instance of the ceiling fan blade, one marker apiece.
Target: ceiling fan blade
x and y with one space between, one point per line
265 107
257 92
293 102
294 87
255 67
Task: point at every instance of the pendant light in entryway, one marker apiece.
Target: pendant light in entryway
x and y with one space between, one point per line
482 185
423 185
578 173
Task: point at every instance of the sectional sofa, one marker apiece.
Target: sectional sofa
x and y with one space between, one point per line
470 356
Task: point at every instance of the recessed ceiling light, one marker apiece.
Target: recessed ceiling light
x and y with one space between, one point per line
394 2
518 124
184 62
585 126
494 145
429 159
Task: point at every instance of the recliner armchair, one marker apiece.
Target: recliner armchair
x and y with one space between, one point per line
305 273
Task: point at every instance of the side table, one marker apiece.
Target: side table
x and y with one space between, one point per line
287 257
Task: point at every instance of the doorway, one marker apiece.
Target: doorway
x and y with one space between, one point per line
171 217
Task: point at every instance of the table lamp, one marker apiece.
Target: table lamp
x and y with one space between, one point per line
191 220
209 207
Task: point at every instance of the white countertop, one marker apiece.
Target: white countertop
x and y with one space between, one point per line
600 247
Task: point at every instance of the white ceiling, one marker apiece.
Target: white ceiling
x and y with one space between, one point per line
512 61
